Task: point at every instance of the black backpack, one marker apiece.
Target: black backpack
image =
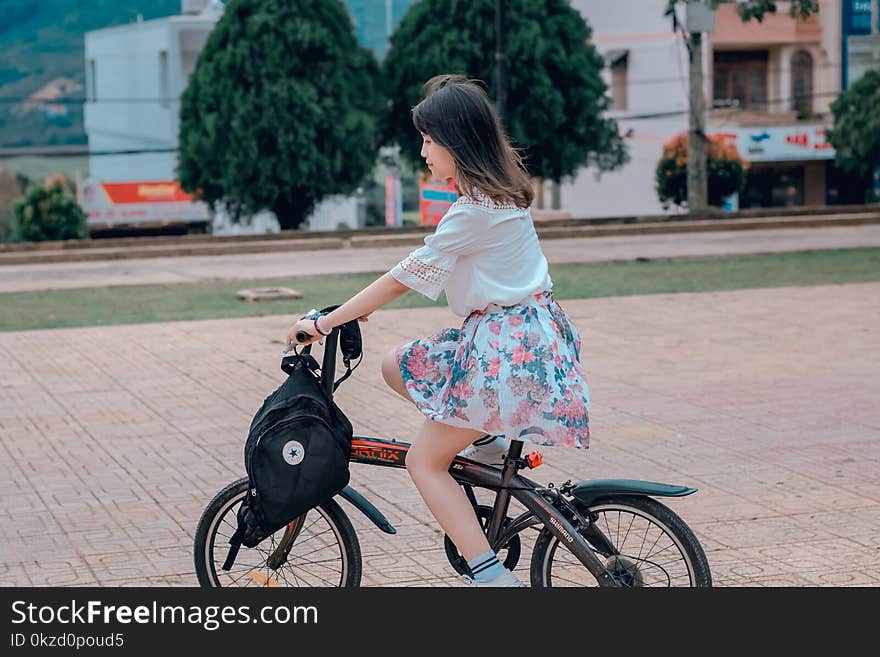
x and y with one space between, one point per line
296 454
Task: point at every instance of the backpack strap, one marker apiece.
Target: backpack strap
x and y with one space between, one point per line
349 370
234 545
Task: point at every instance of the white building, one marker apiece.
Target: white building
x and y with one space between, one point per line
647 75
135 76
768 87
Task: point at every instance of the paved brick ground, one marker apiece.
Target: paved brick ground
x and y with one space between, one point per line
114 438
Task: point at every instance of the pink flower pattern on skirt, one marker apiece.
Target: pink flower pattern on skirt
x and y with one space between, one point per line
509 370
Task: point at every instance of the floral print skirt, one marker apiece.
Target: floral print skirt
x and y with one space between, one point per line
509 370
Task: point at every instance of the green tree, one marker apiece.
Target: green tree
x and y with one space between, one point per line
856 132
280 111
49 212
555 95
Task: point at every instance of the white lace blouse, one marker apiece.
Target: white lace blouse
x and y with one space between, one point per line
480 253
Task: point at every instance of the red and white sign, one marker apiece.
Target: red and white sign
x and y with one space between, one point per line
434 200
777 143
139 202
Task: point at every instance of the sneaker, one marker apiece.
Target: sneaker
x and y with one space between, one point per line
505 579
489 450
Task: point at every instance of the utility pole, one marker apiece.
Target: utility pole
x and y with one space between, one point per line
697 178
699 18
500 56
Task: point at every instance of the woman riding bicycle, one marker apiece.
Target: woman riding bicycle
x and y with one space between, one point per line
513 368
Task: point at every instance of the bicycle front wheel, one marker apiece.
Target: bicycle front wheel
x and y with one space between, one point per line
652 547
318 549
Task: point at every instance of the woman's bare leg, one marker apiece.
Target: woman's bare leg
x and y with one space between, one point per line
428 463
392 376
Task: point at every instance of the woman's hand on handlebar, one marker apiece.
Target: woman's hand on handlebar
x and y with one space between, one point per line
303 326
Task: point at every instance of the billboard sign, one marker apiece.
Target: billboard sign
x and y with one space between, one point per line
857 17
434 200
777 143
141 202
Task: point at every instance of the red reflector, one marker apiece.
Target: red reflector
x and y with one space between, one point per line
534 459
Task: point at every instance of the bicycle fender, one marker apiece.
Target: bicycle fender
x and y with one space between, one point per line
591 490
363 505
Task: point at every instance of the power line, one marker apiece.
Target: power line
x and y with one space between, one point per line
80 100
25 152
71 100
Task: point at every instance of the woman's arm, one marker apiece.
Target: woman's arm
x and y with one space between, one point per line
383 290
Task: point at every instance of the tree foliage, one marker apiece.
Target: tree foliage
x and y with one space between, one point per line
49 212
749 9
555 95
856 132
280 111
726 171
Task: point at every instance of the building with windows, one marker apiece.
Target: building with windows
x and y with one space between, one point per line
647 75
771 87
860 46
768 88
135 77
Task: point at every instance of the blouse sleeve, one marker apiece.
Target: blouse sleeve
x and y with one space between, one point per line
427 269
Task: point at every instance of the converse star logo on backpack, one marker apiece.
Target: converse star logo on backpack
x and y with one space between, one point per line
293 452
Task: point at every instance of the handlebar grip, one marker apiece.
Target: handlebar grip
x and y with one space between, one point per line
302 336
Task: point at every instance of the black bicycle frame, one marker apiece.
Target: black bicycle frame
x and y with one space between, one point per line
506 481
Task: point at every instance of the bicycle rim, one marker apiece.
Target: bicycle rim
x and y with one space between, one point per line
652 551
317 557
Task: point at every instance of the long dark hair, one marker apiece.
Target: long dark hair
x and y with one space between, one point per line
458 115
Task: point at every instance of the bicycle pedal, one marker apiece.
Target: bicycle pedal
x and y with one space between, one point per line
534 459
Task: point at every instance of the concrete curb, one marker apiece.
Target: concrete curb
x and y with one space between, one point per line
82 251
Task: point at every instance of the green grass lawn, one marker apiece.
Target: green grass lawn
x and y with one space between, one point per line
161 303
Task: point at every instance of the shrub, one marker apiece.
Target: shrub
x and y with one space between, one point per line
49 212
727 171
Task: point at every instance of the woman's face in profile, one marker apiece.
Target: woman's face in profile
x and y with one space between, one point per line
438 159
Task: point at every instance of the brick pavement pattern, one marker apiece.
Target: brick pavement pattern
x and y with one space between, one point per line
113 439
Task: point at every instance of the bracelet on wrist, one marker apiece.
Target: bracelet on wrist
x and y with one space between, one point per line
318 328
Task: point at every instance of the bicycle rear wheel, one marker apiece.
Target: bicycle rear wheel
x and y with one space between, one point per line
318 549
652 547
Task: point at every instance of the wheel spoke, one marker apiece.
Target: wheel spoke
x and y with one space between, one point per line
317 557
648 552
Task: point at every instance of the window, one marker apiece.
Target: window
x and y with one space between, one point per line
802 83
740 79
91 86
163 79
618 62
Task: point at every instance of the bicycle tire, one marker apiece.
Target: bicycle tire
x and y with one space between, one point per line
630 569
226 502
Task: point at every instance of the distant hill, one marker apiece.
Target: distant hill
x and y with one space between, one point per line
42 41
